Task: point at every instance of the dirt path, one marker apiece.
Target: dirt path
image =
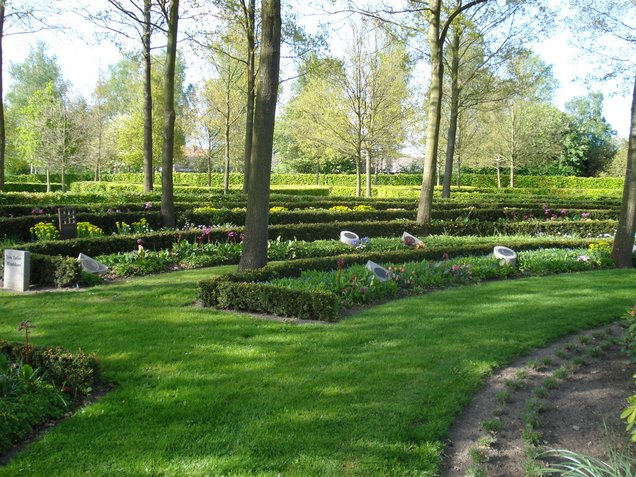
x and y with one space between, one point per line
567 396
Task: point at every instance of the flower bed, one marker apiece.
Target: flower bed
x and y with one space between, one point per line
267 290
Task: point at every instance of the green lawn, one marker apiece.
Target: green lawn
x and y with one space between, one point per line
202 392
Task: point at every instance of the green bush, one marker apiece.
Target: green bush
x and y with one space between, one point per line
62 272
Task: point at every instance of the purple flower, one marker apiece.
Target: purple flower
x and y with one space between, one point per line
140 242
585 215
148 206
564 212
341 263
363 290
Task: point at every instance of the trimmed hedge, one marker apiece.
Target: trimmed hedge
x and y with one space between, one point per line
237 217
30 186
470 180
56 270
110 187
41 178
245 291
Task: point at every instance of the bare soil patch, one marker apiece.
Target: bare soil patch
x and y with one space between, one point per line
567 396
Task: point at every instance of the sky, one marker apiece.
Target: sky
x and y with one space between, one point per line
81 60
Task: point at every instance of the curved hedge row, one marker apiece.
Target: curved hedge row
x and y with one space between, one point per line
472 180
90 187
246 291
309 232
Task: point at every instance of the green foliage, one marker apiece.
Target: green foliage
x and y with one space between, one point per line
575 464
32 394
629 340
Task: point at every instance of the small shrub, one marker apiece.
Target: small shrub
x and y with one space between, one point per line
491 425
86 229
45 231
561 373
550 383
503 396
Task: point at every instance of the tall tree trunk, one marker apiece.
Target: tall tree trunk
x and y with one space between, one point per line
63 177
624 238
367 192
458 181
226 140
317 172
2 125
359 173
425 206
498 165
513 154
250 20
98 175
454 113
145 39
167 153
254 254
48 180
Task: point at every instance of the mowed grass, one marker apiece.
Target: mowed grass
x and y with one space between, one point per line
208 393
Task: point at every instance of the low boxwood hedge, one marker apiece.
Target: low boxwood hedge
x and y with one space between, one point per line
467 179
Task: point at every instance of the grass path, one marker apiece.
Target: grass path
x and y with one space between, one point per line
202 392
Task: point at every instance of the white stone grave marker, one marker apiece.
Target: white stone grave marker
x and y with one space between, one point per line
505 255
349 238
17 270
379 271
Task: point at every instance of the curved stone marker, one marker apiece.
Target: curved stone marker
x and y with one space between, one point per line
506 255
349 238
17 270
91 265
379 271
411 240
